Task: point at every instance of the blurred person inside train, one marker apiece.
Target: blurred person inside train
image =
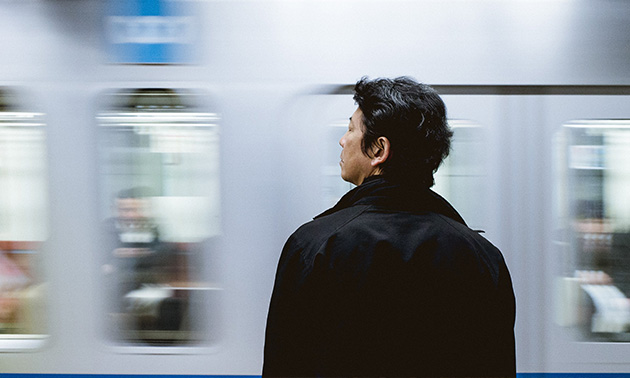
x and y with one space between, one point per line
390 281
141 267
14 281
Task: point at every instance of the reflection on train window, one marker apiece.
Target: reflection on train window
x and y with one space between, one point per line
594 214
159 160
461 177
23 225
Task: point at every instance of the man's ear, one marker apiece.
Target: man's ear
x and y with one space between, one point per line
381 150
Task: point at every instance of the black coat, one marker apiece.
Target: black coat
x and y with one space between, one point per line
390 282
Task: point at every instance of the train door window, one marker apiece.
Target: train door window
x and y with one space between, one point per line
23 225
595 215
461 177
159 182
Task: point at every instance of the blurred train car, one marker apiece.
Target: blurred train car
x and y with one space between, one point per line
156 154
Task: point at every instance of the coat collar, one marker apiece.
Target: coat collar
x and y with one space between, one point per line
380 191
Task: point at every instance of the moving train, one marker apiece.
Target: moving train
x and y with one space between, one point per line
156 154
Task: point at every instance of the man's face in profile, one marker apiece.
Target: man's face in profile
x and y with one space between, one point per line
355 165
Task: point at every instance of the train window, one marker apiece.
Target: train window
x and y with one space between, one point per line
159 182
461 177
23 225
594 215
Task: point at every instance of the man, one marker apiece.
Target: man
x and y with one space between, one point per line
391 281
141 267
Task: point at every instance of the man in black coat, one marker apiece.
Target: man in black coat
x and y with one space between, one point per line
391 281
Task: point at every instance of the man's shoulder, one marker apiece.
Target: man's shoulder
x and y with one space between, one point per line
323 227
368 223
352 237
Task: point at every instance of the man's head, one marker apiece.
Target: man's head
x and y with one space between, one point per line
133 204
405 135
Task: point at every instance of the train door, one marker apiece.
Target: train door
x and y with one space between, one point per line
23 224
490 177
590 262
161 219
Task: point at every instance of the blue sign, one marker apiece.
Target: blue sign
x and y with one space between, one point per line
150 31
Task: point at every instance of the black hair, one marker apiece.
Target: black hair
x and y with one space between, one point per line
412 116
